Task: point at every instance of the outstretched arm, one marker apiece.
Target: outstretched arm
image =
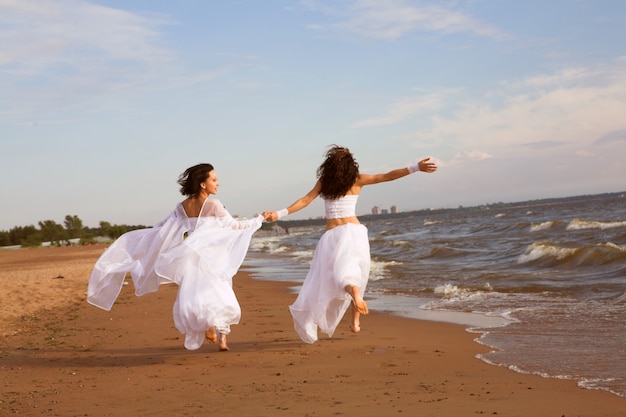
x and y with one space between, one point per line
214 208
299 204
425 165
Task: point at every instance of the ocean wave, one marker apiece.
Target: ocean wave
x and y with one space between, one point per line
441 252
431 222
547 252
399 243
452 291
378 269
267 246
542 226
539 250
303 255
495 228
580 224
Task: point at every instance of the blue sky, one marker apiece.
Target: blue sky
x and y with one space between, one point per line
104 103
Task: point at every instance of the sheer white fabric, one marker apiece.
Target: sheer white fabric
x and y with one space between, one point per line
342 257
200 255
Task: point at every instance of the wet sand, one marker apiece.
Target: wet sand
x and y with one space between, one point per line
60 356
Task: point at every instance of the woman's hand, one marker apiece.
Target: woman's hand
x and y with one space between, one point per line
426 166
270 216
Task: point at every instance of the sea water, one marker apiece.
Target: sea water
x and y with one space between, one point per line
543 285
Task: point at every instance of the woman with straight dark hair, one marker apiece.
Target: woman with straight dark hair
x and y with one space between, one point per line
199 247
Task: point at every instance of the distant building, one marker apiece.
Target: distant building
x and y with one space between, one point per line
375 210
394 209
384 211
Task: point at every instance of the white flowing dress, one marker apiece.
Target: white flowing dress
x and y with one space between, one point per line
342 257
199 254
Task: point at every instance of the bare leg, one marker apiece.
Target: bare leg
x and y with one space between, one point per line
222 343
359 303
355 326
211 335
358 307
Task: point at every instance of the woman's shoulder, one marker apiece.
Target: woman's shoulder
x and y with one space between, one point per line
212 207
213 202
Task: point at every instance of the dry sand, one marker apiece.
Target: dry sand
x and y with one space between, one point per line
60 356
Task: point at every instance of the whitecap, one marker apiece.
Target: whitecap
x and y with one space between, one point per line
580 224
541 226
539 250
378 269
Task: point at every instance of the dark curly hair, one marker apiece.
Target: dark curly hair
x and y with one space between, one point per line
191 179
338 172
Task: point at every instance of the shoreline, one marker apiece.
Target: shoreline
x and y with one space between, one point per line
475 323
60 356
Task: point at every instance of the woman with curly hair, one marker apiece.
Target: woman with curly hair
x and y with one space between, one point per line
341 264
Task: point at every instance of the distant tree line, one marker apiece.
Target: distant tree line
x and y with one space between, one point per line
61 234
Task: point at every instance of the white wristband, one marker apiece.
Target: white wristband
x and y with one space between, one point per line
413 167
282 213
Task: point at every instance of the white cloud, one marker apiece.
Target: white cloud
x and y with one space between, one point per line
407 107
585 154
463 157
392 19
75 35
566 111
72 50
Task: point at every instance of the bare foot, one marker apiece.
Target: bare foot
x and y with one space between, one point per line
211 335
361 306
357 299
355 328
223 346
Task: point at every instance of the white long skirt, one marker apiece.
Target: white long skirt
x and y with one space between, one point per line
342 257
202 265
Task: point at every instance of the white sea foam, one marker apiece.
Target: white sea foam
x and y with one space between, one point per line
600 384
580 224
614 246
541 226
268 246
539 250
378 269
450 290
303 255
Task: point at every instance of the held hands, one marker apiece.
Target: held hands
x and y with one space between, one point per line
270 216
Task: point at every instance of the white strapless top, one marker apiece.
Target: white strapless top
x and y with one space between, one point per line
342 207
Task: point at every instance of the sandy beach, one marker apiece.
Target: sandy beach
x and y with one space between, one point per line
60 356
